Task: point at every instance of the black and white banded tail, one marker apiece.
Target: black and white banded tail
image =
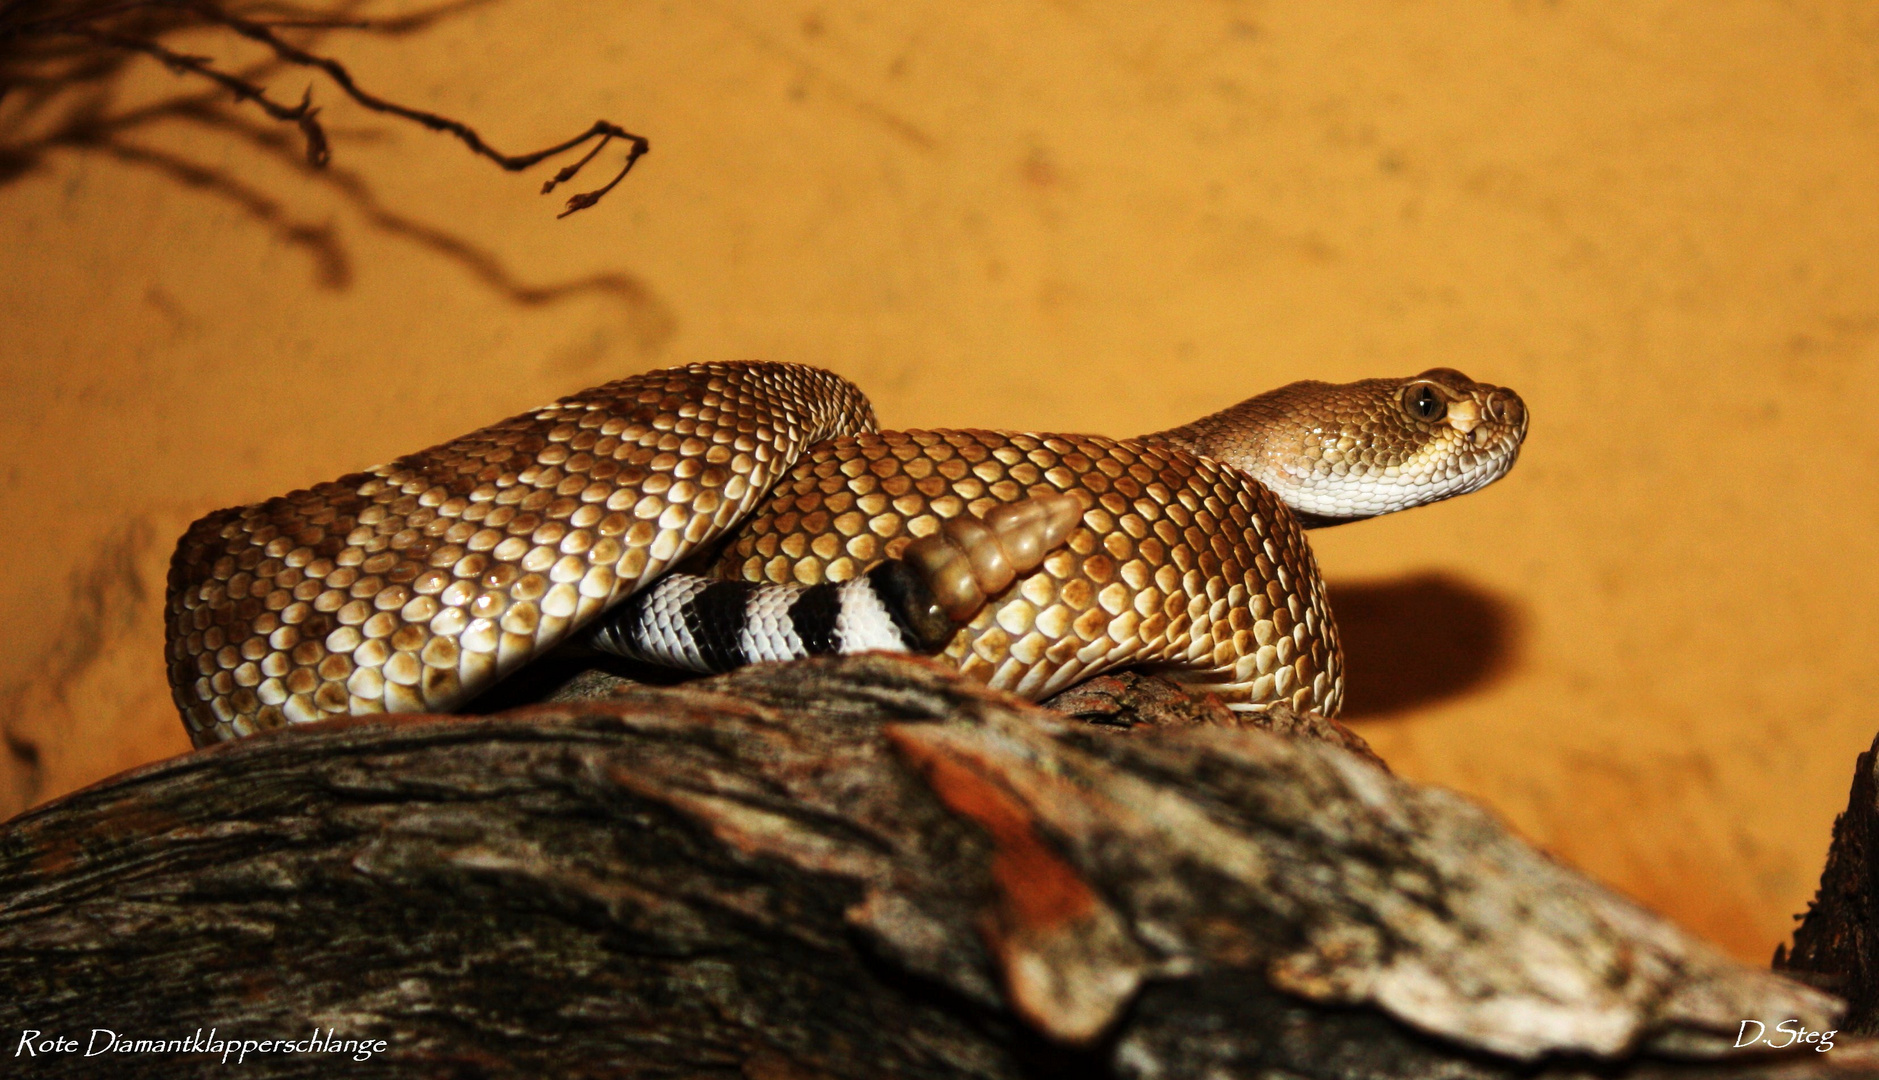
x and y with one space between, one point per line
694 623
911 604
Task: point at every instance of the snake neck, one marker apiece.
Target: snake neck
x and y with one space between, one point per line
1343 452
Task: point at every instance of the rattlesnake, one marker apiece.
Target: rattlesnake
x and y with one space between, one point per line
416 585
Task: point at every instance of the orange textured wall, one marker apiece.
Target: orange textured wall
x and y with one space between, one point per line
1651 648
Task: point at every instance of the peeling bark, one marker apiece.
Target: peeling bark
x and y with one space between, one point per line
1134 701
859 867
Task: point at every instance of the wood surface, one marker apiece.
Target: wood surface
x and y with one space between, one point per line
861 867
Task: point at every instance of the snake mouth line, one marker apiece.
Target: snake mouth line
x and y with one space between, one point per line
419 585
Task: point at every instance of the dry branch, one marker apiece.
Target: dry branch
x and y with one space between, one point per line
55 46
857 868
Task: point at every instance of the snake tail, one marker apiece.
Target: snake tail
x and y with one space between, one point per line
971 558
1028 561
914 603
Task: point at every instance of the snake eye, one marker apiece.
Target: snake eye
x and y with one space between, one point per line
1424 403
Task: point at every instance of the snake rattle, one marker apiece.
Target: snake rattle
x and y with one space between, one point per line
1027 561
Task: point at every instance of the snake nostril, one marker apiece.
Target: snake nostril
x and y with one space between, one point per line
1506 407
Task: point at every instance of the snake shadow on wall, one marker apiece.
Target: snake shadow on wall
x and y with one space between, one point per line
1417 640
1409 642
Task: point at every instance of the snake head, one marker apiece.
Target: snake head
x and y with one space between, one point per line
1337 452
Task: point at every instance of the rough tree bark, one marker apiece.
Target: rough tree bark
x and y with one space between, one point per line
857 868
1836 946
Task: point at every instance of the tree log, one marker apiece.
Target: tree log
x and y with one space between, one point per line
854 868
1836 946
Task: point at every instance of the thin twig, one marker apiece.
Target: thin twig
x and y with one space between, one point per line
478 261
89 25
200 65
602 129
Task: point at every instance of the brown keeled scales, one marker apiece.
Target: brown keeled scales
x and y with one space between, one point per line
1178 560
417 585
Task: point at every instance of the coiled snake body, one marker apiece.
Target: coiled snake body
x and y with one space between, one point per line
419 584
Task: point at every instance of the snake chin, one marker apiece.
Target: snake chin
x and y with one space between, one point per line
1344 452
1044 559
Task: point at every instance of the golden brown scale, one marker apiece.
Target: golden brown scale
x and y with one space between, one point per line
1339 452
417 585
973 557
1178 561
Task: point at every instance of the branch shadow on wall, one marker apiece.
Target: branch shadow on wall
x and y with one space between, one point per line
1414 641
69 102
